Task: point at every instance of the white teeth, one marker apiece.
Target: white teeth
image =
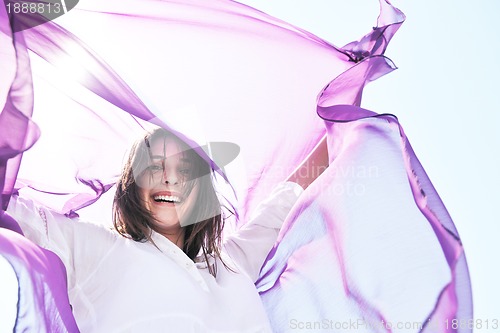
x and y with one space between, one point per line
167 198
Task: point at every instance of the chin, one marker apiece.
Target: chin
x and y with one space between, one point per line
167 222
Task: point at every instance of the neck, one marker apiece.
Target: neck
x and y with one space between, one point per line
176 237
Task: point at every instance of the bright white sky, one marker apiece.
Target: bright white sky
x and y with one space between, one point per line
445 94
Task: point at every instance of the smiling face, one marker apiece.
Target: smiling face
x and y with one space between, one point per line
168 186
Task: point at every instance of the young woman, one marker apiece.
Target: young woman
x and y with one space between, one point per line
166 266
370 240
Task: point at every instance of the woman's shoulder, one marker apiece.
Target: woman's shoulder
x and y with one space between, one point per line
97 226
95 230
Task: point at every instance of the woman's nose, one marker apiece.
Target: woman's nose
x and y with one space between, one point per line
170 177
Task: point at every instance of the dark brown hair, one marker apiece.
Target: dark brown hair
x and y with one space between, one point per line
132 219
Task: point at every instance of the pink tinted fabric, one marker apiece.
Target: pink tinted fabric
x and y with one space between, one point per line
43 304
365 248
370 240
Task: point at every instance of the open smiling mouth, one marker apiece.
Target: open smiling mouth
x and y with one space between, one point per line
167 198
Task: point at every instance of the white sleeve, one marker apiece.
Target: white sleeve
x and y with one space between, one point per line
80 245
250 245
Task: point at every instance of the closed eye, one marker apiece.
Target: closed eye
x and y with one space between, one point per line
155 167
185 172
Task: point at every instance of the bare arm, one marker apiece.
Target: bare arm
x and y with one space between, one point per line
312 167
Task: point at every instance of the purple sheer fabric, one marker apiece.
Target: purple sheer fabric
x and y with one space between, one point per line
16 97
369 246
369 242
43 304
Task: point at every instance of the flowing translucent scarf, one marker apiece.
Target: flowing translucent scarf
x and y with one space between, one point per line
369 246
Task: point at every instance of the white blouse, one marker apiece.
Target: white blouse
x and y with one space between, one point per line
116 284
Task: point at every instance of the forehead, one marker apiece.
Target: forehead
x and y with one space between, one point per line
168 147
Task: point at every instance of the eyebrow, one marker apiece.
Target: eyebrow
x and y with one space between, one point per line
161 157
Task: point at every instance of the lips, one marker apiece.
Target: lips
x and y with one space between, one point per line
167 197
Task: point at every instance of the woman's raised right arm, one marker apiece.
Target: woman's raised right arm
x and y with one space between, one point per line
80 245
